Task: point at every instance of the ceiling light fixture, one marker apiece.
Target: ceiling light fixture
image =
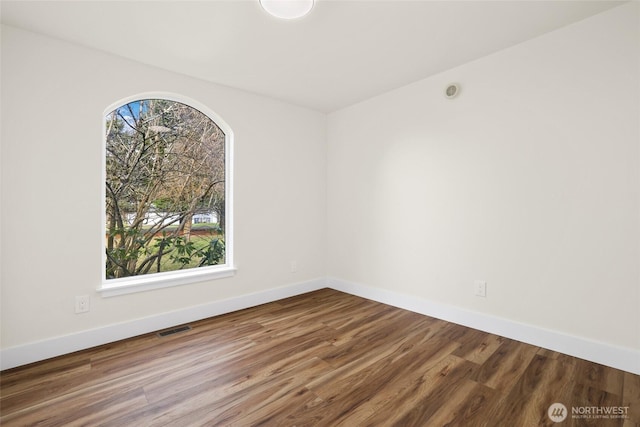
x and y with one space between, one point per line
287 9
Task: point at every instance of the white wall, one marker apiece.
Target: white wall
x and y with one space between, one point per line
53 98
528 180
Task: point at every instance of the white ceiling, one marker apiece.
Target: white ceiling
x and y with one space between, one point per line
345 51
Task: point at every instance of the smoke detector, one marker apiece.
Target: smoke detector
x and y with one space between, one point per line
452 91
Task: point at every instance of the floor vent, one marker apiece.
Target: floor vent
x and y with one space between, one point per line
168 332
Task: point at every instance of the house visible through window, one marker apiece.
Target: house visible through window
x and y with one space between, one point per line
166 190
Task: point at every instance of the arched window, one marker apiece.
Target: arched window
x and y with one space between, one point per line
167 195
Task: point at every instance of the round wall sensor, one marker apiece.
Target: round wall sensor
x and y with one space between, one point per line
452 90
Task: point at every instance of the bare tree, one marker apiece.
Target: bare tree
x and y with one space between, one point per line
164 163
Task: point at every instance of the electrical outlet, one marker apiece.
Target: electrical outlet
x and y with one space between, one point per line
480 288
82 303
294 266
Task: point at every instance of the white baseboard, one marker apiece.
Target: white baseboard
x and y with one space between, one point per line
57 346
617 357
626 359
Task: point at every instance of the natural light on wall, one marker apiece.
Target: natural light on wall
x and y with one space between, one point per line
287 9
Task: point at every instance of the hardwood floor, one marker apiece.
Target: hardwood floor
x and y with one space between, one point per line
319 359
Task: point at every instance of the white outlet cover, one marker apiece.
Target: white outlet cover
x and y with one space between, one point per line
83 303
480 288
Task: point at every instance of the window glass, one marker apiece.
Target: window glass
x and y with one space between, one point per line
165 199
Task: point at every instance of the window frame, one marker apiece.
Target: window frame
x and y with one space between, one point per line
146 282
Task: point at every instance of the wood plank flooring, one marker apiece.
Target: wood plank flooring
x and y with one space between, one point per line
321 359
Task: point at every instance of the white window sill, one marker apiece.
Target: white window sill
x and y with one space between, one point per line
129 285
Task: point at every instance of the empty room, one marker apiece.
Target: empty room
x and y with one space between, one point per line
320 213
